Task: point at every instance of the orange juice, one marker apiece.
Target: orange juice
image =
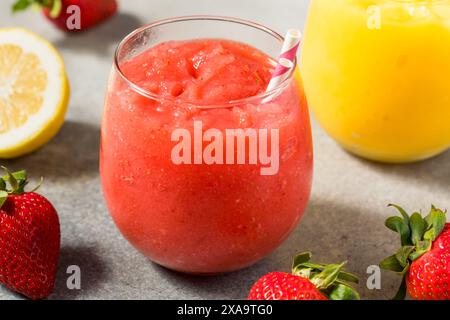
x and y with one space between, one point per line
377 75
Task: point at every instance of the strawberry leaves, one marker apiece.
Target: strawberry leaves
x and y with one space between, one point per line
400 225
329 279
55 6
401 292
17 181
3 197
418 226
435 222
21 5
391 263
13 183
416 235
343 292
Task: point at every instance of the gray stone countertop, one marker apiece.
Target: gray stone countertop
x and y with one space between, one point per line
344 219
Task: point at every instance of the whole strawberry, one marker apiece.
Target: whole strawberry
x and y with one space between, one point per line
423 260
62 13
29 238
308 281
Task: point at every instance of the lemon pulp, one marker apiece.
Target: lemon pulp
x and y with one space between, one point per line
34 92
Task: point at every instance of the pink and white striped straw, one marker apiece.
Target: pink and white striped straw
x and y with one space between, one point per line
286 59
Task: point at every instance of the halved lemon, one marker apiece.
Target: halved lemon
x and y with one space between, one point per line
34 92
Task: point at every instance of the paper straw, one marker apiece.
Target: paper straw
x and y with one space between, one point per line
286 58
280 74
291 44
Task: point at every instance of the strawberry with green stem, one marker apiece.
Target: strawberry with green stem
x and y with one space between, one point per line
308 281
92 12
29 238
423 261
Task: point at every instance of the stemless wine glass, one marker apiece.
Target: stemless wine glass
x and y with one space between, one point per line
203 218
377 75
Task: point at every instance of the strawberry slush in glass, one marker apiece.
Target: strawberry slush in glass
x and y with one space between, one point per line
202 170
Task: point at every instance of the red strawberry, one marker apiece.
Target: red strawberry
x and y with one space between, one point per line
61 13
308 281
423 261
29 239
284 286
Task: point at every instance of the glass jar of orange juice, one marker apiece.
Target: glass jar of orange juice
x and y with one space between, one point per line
377 75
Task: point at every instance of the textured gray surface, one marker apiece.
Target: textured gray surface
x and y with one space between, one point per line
344 219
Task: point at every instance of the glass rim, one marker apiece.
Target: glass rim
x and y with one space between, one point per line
161 98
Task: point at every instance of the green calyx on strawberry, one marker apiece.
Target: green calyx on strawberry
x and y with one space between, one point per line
13 183
328 279
29 238
308 281
419 260
54 6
